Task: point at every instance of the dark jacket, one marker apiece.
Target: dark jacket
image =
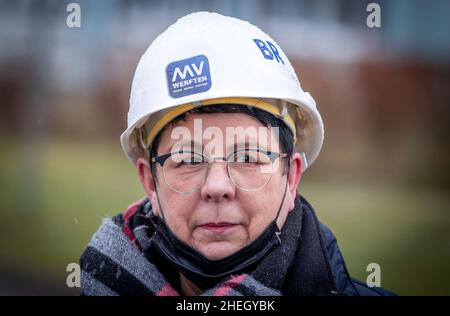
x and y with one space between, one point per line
344 282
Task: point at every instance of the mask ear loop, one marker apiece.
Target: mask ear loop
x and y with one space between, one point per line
284 112
144 145
159 202
282 201
154 185
278 232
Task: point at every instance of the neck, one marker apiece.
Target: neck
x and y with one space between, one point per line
189 288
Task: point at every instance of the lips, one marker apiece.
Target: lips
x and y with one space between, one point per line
217 227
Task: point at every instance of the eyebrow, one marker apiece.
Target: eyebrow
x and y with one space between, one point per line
246 145
230 148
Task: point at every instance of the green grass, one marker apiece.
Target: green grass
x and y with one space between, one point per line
53 197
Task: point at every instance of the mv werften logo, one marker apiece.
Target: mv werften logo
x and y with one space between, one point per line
188 76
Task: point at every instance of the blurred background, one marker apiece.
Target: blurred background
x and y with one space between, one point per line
382 180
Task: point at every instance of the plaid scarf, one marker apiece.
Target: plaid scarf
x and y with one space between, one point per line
119 261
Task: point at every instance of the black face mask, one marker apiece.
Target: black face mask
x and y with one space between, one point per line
206 273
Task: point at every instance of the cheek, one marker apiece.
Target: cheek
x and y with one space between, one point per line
178 212
262 207
258 213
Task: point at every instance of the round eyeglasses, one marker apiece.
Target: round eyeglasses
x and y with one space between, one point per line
249 169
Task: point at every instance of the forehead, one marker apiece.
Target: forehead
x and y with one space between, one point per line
220 120
208 125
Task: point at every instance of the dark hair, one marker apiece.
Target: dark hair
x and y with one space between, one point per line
285 133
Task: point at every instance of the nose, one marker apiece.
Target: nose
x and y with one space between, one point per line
218 186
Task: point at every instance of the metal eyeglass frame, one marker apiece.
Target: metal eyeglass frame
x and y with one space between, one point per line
271 154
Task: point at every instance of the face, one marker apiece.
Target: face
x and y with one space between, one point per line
220 218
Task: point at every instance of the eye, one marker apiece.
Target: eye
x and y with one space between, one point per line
248 157
192 160
245 158
185 159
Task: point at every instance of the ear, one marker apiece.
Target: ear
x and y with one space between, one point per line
146 178
295 173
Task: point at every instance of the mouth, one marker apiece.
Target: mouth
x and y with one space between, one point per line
217 227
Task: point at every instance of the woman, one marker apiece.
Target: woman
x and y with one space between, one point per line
220 132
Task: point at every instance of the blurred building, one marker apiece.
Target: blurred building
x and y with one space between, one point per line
387 84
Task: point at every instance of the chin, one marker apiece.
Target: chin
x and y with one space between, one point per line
218 250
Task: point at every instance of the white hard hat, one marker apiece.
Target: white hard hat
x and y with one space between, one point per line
206 58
